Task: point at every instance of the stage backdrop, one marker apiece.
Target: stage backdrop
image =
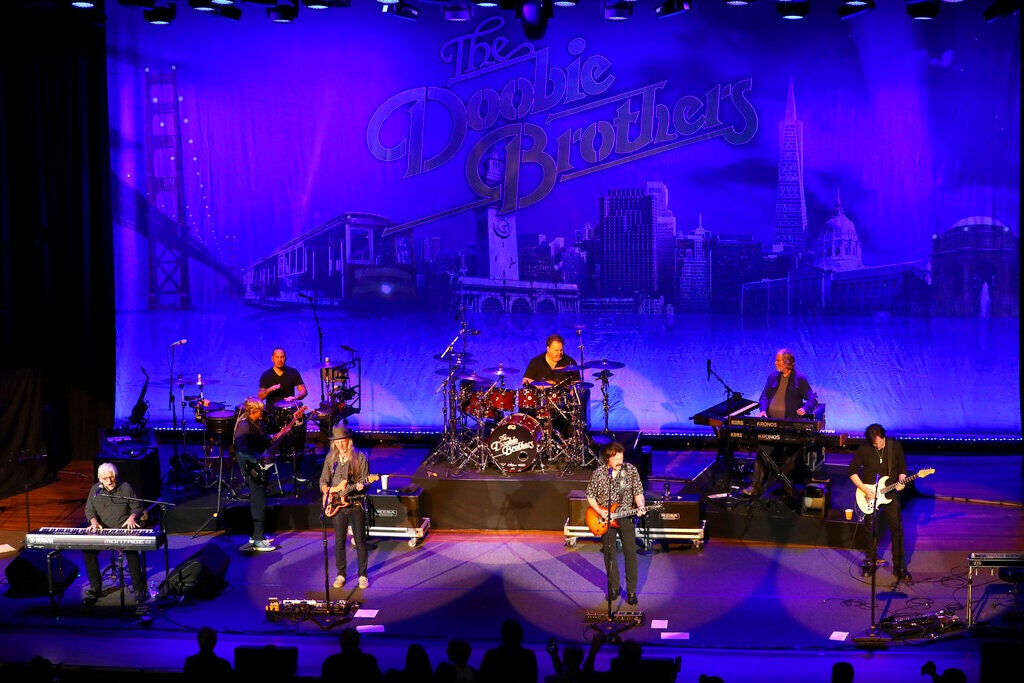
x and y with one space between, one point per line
680 195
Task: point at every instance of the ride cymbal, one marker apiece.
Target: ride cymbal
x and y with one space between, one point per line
328 364
603 365
500 371
571 368
472 377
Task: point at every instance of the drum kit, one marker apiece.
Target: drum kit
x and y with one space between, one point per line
540 426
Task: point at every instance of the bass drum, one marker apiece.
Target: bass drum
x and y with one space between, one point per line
513 442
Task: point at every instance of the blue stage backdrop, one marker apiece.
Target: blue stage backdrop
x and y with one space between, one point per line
369 192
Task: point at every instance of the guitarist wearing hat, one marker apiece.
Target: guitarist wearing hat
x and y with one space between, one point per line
344 478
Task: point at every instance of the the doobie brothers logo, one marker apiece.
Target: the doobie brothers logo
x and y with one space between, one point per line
426 127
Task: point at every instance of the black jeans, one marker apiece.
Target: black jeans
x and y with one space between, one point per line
257 500
354 515
626 532
92 570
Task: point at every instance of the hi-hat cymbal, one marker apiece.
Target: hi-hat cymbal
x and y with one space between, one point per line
604 374
197 381
207 405
500 371
603 365
327 364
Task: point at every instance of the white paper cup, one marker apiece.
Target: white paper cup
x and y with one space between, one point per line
384 483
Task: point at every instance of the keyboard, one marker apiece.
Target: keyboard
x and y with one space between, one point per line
81 538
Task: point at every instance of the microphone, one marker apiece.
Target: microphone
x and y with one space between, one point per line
305 296
709 369
348 348
179 342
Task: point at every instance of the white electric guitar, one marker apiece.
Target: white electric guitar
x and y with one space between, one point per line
869 506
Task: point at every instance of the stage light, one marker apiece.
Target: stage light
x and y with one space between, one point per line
83 4
1000 9
401 9
284 12
617 11
458 10
202 5
485 3
534 15
672 7
788 9
923 9
160 15
565 3
850 10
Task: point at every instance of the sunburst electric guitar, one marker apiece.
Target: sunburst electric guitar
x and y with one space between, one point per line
599 526
335 499
869 506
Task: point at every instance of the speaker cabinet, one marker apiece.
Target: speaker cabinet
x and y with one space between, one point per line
200 576
677 512
27 575
266 663
136 464
399 508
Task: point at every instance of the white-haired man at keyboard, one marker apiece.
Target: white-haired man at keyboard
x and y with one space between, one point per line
112 504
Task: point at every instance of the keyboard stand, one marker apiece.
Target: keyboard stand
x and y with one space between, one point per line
774 471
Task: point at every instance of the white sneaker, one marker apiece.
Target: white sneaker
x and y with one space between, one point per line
268 539
339 581
364 582
263 546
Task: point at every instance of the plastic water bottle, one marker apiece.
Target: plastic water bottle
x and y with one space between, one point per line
154 590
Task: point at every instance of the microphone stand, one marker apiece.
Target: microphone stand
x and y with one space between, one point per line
320 347
725 451
873 636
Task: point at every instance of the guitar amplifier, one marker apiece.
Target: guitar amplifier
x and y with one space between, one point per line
399 508
137 464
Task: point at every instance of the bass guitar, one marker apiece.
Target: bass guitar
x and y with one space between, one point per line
335 498
599 526
869 506
257 469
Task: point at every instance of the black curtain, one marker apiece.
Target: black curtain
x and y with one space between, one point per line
56 244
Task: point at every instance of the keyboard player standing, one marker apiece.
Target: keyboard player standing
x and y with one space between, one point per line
786 395
112 504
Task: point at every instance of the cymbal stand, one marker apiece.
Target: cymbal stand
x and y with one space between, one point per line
605 404
449 447
479 453
579 453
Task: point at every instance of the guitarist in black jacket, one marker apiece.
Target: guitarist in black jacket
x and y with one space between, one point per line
251 442
879 457
345 475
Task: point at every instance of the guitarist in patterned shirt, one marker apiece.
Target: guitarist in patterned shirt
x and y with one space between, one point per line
251 442
345 475
617 486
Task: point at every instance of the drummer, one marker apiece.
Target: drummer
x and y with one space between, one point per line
282 390
545 370
281 382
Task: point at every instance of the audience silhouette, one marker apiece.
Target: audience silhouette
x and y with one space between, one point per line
351 663
509 662
206 666
457 668
417 667
842 672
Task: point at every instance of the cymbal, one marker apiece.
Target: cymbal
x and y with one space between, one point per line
582 385
197 381
471 377
500 371
542 384
288 404
208 405
603 365
571 368
327 364
455 355
604 374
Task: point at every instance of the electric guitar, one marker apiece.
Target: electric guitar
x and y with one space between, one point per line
598 527
257 469
334 499
869 506
138 416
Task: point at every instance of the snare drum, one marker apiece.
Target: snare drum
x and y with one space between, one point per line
513 443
